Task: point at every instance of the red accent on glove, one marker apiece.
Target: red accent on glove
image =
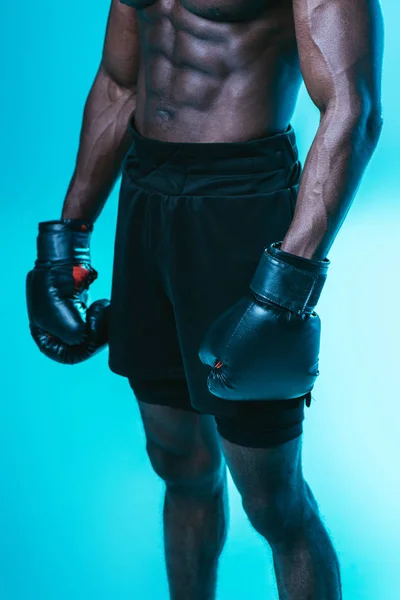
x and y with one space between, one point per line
218 364
80 275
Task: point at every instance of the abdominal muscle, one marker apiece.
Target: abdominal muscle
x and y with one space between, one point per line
210 81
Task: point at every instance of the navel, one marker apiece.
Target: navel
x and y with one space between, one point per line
166 114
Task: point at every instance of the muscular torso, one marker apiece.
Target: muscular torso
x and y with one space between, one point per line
216 70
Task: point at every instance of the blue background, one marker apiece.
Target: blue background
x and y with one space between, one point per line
80 509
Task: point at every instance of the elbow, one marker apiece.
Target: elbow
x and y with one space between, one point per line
118 78
360 120
367 121
366 130
373 125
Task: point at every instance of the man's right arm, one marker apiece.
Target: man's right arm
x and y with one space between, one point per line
105 137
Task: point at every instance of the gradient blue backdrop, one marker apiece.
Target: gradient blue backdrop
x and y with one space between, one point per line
80 509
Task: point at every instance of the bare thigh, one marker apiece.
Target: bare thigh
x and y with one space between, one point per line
183 446
274 494
262 471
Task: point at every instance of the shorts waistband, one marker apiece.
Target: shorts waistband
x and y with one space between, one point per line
157 152
259 166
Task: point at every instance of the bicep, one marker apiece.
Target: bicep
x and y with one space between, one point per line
121 52
340 48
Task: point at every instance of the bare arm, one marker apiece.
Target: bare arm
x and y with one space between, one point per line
105 138
340 46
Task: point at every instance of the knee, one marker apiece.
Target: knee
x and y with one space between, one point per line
278 514
186 469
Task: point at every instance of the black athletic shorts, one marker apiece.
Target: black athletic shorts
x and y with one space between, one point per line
193 221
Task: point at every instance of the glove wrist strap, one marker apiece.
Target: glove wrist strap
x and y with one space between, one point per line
63 241
294 288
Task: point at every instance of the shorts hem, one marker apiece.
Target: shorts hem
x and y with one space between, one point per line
267 439
172 393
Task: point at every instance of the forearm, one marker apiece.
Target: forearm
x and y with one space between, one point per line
104 141
332 174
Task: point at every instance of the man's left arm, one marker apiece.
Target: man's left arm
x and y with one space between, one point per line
340 47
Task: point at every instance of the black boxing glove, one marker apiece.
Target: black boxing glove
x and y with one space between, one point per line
266 347
61 324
